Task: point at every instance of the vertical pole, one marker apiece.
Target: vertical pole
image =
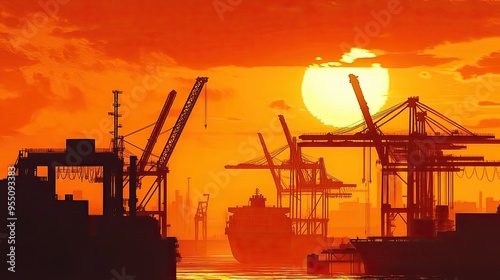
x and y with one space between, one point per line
159 208
132 200
205 232
165 222
116 125
410 199
51 177
439 187
106 202
118 199
382 206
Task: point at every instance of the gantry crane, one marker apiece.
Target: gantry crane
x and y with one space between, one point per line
417 158
201 217
160 169
308 182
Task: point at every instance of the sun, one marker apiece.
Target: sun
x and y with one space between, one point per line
329 96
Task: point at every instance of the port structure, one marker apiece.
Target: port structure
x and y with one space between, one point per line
145 167
159 169
77 154
418 158
201 217
299 179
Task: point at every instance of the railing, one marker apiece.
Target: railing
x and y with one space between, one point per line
59 150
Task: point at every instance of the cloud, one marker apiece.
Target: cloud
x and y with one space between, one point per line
488 103
51 72
489 64
280 104
229 119
356 53
257 33
488 123
402 60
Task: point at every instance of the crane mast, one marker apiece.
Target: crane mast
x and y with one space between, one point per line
175 134
272 168
181 122
372 128
156 131
296 157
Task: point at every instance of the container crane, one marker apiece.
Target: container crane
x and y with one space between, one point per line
416 158
161 169
315 186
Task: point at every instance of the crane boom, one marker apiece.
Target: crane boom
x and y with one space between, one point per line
181 122
270 162
156 131
296 158
372 129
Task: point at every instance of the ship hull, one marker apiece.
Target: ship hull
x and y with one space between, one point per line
260 234
273 248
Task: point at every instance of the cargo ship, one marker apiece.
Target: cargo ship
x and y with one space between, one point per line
472 251
260 234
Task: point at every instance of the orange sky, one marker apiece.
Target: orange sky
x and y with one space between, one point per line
60 60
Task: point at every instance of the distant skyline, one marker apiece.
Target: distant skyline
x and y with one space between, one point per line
62 58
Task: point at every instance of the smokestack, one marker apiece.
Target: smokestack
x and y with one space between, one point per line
132 200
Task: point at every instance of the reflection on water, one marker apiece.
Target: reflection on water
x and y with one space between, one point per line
225 267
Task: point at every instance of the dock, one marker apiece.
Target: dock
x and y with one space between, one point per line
333 259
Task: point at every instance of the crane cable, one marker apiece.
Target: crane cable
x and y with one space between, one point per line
206 106
496 173
149 125
140 129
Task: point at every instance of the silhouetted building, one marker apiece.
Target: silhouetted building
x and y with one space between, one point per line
181 217
464 207
78 195
59 240
491 205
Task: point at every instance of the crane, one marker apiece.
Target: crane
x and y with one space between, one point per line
181 122
201 216
295 155
372 128
315 186
416 158
141 166
272 168
156 131
161 165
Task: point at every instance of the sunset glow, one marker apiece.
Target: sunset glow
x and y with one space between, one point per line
275 73
328 95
